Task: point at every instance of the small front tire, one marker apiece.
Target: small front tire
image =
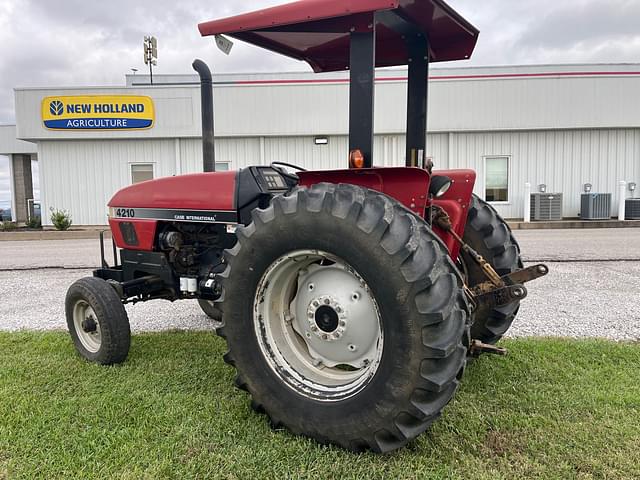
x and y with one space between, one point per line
208 307
97 321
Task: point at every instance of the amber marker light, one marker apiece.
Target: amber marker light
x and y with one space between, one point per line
356 159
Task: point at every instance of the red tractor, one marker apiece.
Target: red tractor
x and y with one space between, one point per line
350 299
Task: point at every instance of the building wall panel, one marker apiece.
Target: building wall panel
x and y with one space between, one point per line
563 160
82 176
292 104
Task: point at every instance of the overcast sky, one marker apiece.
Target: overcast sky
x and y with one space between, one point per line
82 42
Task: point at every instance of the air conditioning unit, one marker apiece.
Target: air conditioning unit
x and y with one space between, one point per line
595 206
632 209
546 206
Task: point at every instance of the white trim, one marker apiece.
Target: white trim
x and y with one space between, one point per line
178 167
228 164
509 179
132 164
12 189
263 155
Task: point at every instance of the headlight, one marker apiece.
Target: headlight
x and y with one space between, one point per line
439 185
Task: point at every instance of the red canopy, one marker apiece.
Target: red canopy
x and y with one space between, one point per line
317 31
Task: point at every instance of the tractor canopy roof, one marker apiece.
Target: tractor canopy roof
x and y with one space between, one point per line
317 31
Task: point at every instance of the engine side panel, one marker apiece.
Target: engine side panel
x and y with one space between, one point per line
201 198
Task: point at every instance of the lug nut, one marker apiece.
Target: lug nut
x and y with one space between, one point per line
352 347
355 296
311 287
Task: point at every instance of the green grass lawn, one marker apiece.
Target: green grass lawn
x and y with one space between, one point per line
551 409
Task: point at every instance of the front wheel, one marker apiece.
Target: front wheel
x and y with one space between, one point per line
97 321
344 317
210 309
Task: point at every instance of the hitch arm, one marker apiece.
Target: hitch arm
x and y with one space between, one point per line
497 290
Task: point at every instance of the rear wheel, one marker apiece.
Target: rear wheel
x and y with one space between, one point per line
344 317
488 234
97 321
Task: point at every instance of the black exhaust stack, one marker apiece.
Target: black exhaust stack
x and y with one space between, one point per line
206 100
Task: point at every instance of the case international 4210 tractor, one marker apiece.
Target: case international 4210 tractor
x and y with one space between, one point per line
350 299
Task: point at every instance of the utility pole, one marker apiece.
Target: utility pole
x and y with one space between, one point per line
150 54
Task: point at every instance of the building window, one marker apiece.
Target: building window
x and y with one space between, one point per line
222 166
496 179
141 172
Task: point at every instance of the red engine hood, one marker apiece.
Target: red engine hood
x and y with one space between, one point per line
200 191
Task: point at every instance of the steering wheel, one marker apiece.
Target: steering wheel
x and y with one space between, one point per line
291 176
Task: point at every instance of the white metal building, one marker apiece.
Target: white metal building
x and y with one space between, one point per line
559 125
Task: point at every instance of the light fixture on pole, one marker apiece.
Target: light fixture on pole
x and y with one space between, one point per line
134 70
150 54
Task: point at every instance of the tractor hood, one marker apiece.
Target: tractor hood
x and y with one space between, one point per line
200 191
317 31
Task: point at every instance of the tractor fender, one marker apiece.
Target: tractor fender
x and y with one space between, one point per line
409 186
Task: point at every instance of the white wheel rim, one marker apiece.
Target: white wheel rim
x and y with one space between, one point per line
87 326
318 325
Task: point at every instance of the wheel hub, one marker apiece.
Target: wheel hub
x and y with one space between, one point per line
89 325
326 318
318 325
336 316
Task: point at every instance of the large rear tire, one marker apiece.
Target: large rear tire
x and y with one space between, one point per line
97 321
344 317
488 234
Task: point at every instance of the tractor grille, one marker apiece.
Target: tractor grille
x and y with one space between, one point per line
632 208
595 206
546 206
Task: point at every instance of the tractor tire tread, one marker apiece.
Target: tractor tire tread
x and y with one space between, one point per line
491 236
114 322
434 300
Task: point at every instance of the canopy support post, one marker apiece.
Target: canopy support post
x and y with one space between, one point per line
361 93
417 94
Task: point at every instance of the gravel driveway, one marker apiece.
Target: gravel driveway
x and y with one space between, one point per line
592 290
